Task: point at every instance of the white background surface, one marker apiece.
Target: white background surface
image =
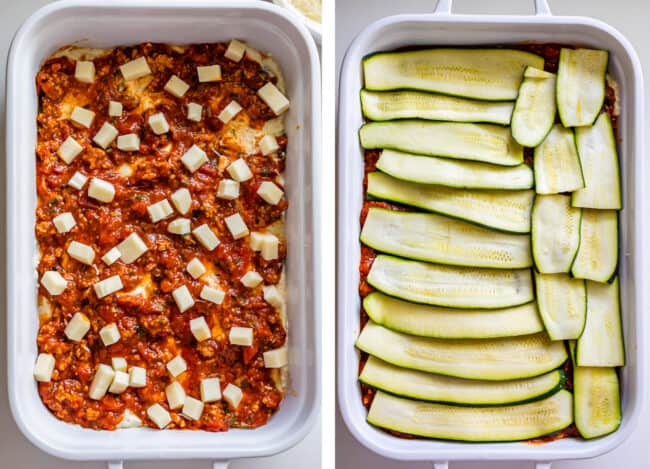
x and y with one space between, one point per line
15 451
629 17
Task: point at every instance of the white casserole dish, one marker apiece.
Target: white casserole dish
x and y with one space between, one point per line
121 22
444 29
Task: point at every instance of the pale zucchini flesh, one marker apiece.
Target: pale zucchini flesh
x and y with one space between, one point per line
443 240
449 286
502 210
449 323
534 111
556 163
486 359
562 304
597 256
438 388
597 401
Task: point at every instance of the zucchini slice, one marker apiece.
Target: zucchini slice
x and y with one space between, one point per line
599 161
488 74
562 304
555 233
556 163
597 255
438 388
435 238
488 143
389 105
534 111
454 173
487 359
448 323
475 424
581 85
502 210
597 401
601 343
454 287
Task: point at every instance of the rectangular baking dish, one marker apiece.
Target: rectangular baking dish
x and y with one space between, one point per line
121 22
445 29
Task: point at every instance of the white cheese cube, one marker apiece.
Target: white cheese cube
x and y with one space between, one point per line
233 395
175 395
131 248
200 329
107 133
270 192
111 256
53 282
160 210
110 334
183 298
84 71
107 286
77 327
101 190
69 150
159 415
254 55
195 268
208 73
276 358
272 296
44 367
128 142
119 364
235 50
176 86
120 383
137 377
180 226
82 116
135 69
192 408
273 98
206 237
64 222
251 279
176 366
44 308
269 145
239 170
194 112
101 381
229 112
81 252
158 123
214 295
270 247
210 389
228 189
129 420
115 108
255 240
194 158
182 200
241 336
77 181
236 226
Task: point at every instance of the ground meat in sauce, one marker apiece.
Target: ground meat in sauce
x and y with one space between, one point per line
153 331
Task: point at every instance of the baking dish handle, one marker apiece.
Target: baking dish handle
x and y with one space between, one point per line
444 8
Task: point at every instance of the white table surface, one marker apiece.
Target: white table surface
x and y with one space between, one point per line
15 451
628 16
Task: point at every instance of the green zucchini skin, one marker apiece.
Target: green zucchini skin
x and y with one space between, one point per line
557 164
597 401
534 113
442 240
562 304
597 255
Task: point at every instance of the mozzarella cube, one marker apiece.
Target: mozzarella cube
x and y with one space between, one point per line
101 190
101 381
53 282
229 112
270 247
129 420
255 240
208 73
77 181
251 279
81 252
194 158
213 295
276 358
182 200
107 133
115 108
135 69
137 377
241 336
200 329
119 364
183 298
111 256
239 170
175 395
159 415
176 366
192 408
44 367
272 296
210 389
82 116
194 112
77 327
236 226
235 50
180 226
107 286
84 71
273 98
206 237
131 248
270 192
120 383
160 210
176 86
228 189
158 123
269 145
64 222
254 55
195 268
110 334
128 142
69 150
233 395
